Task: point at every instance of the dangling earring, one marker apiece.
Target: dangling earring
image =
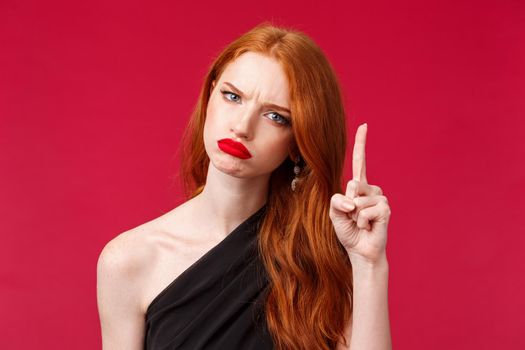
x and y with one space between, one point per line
296 170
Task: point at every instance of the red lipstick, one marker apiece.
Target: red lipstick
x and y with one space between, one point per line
234 148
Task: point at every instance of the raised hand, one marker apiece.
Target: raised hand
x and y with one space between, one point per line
360 217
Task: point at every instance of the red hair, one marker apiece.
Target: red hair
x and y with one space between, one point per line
309 298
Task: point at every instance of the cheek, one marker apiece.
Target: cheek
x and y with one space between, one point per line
215 113
211 124
209 132
275 149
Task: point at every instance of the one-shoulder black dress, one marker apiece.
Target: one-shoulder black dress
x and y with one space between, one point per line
217 303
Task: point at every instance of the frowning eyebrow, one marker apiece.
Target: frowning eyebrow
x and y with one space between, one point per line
270 105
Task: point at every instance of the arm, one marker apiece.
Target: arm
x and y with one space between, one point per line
121 319
369 326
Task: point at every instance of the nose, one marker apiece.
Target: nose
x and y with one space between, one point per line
244 124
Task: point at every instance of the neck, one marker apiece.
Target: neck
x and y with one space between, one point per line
226 200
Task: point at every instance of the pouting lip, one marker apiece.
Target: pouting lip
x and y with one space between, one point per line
237 145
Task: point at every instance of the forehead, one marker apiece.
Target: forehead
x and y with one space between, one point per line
259 77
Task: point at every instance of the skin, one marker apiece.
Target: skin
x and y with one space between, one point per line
360 218
361 215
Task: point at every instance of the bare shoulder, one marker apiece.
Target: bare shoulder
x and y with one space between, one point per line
119 280
123 256
124 269
131 256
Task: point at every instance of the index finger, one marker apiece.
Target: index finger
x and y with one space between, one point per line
358 158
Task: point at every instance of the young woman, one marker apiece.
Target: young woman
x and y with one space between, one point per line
266 252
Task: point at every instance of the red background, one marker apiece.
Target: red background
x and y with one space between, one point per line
94 97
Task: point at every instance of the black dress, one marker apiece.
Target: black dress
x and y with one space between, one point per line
217 303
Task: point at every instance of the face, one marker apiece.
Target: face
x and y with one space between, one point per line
244 108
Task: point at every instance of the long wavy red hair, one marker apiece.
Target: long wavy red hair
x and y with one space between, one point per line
309 298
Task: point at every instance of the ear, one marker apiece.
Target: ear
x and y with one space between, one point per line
294 152
212 86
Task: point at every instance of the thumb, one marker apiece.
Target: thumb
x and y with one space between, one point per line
341 206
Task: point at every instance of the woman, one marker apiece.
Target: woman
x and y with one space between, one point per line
266 253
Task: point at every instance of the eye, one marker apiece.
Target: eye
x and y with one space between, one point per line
226 93
280 119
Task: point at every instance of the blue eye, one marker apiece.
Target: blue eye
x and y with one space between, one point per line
225 93
281 120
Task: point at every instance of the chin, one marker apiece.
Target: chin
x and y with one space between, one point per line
228 164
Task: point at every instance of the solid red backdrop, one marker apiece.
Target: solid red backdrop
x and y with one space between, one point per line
94 97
